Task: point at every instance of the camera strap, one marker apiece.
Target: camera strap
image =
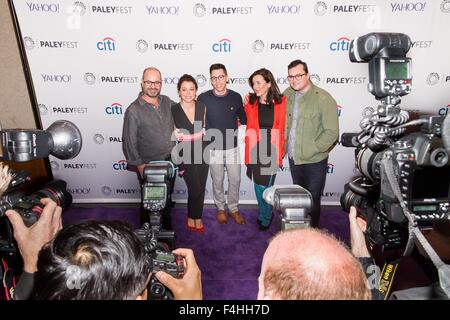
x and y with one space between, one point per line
415 233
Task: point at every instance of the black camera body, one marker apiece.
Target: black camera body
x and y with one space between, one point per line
29 206
159 259
420 159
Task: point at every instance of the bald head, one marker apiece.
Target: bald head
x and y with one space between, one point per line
308 264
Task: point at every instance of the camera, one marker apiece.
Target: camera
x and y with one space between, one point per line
28 206
159 259
398 171
294 203
156 190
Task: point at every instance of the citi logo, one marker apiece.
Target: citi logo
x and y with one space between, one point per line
79 190
330 168
339 110
43 7
342 44
223 45
115 109
107 44
163 10
408 6
66 78
283 9
121 165
180 191
444 111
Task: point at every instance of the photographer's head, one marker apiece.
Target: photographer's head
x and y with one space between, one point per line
93 261
307 264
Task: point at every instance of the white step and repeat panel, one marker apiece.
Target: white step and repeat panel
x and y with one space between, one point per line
86 60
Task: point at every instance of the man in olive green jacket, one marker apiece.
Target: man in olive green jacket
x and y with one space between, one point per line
311 132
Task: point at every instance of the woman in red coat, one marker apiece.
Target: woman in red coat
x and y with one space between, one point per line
264 137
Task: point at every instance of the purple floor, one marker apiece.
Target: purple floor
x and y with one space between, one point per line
229 255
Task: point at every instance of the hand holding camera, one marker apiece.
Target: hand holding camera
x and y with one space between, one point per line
31 240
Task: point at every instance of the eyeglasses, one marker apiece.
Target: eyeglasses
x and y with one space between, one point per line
297 76
149 83
219 78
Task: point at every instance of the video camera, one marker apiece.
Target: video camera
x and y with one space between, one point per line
399 172
294 204
160 259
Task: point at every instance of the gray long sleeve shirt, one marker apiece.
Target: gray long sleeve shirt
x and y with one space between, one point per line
147 131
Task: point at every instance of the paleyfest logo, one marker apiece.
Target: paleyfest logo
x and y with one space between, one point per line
199 10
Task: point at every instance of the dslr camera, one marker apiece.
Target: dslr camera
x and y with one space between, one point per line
159 259
419 169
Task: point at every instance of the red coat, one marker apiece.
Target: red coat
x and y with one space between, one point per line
252 133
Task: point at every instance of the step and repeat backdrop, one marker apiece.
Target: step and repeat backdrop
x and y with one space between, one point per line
86 60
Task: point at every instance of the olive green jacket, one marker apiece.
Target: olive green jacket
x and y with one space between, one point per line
317 126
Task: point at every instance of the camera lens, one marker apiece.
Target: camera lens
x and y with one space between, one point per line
55 190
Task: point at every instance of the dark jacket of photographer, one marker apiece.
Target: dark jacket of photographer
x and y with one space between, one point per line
147 131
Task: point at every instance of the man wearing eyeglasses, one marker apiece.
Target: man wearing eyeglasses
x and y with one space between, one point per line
311 132
147 128
224 112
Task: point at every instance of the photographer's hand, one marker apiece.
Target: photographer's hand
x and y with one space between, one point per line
190 286
31 240
358 241
5 178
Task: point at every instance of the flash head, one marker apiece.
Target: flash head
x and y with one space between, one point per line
62 140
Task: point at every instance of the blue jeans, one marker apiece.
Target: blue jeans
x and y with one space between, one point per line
311 176
265 209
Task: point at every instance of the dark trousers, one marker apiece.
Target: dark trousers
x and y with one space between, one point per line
311 176
195 176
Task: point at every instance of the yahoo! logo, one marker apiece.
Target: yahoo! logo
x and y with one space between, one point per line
330 168
107 44
223 45
120 165
56 78
114 109
43 7
408 7
444 111
342 44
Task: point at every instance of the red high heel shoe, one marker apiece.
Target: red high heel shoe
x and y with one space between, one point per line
192 229
200 230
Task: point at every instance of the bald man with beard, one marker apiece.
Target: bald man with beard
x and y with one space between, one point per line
308 264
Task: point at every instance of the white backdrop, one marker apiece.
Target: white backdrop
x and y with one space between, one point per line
86 60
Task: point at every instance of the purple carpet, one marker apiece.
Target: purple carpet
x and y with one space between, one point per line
229 255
